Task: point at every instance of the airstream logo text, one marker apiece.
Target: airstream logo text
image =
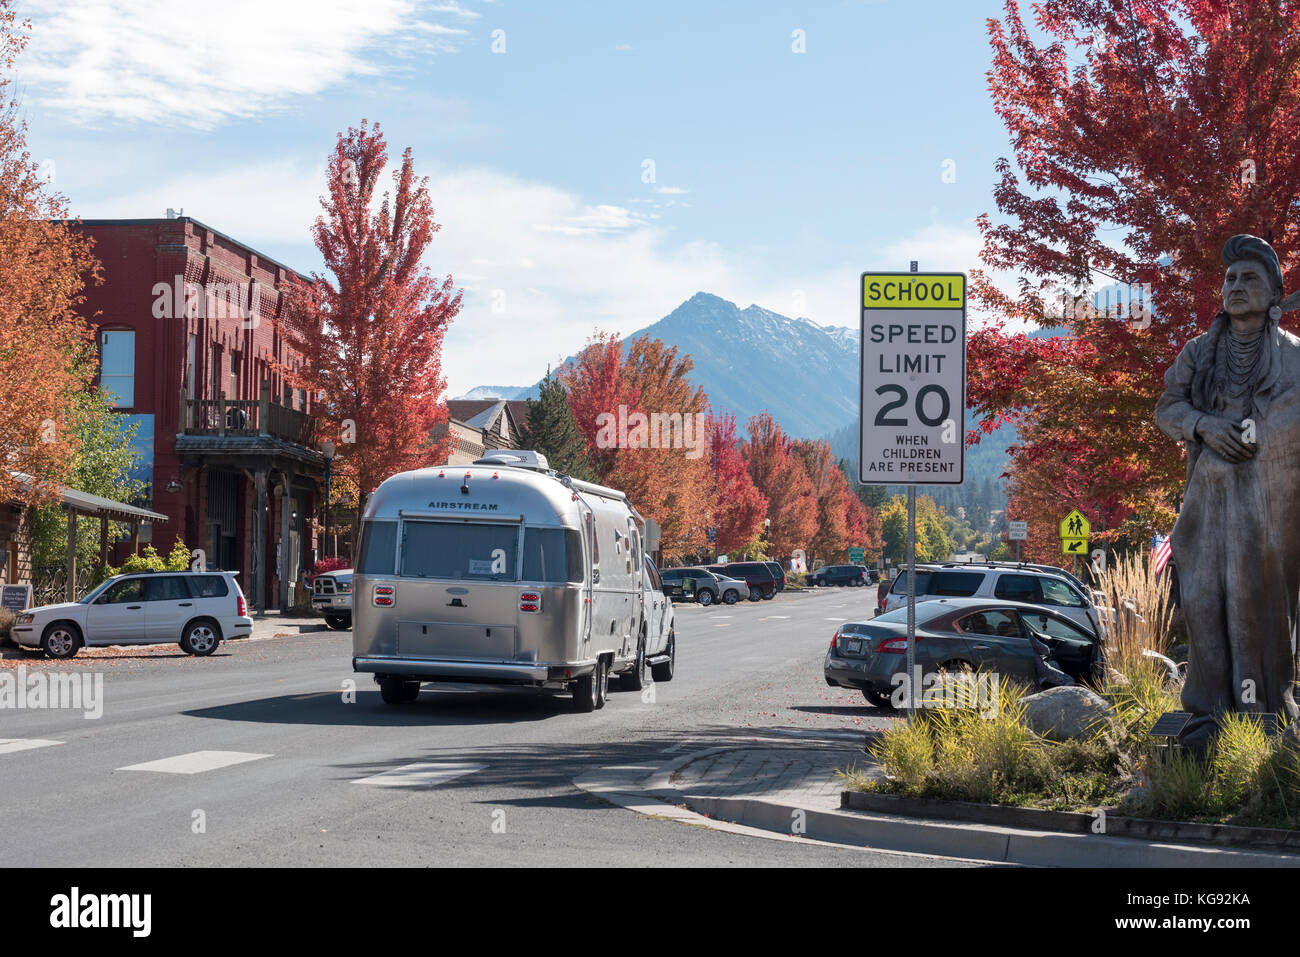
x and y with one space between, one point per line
466 506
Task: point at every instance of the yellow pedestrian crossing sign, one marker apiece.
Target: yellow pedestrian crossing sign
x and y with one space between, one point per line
1075 525
1074 546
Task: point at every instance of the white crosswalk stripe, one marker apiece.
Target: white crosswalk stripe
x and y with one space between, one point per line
196 762
425 774
10 745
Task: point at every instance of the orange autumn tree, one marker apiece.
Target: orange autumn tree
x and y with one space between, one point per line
46 349
831 540
780 475
371 338
644 423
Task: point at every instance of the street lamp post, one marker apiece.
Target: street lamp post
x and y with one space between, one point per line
327 449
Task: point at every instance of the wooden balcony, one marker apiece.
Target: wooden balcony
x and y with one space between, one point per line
248 418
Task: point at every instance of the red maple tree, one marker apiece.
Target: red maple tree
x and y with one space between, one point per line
371 338
738 506
1146 132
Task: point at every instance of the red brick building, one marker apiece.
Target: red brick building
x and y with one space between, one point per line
188 345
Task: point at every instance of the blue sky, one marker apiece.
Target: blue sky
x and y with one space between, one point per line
778 175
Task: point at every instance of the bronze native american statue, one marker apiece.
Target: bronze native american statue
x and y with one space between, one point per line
1233 396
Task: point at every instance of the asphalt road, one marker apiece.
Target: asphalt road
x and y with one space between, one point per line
501 764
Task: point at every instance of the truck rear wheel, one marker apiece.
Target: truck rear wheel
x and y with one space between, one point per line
634 680
664 671
704 597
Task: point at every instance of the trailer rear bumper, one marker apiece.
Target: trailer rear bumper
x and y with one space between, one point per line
435 669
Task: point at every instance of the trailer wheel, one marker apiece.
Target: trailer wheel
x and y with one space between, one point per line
393 690
664 671
634 680
584 692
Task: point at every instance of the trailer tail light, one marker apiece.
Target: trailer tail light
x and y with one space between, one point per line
531 602
241 609
383 595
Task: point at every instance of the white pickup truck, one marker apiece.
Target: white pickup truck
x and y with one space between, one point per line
331 595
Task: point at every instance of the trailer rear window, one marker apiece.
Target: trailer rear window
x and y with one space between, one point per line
468 551
552 555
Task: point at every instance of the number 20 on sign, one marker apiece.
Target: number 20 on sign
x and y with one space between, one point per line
913 379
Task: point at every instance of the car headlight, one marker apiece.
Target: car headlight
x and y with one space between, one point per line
25 618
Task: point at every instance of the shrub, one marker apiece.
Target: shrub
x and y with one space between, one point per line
177 560
326 565
7 619
1175 786
1240 754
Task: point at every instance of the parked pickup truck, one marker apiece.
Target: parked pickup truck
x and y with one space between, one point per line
331 595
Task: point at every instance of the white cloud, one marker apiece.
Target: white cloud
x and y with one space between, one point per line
159 61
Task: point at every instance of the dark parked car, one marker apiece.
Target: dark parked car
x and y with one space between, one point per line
701 585
852 575
1027 642
759 578
778 573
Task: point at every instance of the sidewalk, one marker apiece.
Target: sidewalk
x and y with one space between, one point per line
273 624
791 792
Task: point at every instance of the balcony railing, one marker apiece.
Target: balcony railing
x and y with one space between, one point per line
245 417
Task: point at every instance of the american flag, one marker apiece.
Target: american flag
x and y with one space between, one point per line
1160 552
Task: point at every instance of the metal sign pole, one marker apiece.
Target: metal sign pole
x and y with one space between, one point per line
911 601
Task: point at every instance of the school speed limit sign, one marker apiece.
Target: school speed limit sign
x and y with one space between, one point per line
913 379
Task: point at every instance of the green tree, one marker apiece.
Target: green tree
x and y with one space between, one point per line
102 466
552 431
933 543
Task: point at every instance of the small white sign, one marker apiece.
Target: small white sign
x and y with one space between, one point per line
1018 531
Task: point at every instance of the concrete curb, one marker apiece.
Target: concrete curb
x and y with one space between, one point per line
979 841
648 789
1270 840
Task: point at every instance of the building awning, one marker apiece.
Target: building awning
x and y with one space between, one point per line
83 503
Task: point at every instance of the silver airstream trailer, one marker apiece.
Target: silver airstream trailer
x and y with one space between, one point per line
502 572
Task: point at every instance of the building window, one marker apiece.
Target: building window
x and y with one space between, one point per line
191 366
117 368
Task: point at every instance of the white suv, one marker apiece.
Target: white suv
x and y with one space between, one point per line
198 610
1021 583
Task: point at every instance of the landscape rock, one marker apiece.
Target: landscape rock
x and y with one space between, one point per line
1070 713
